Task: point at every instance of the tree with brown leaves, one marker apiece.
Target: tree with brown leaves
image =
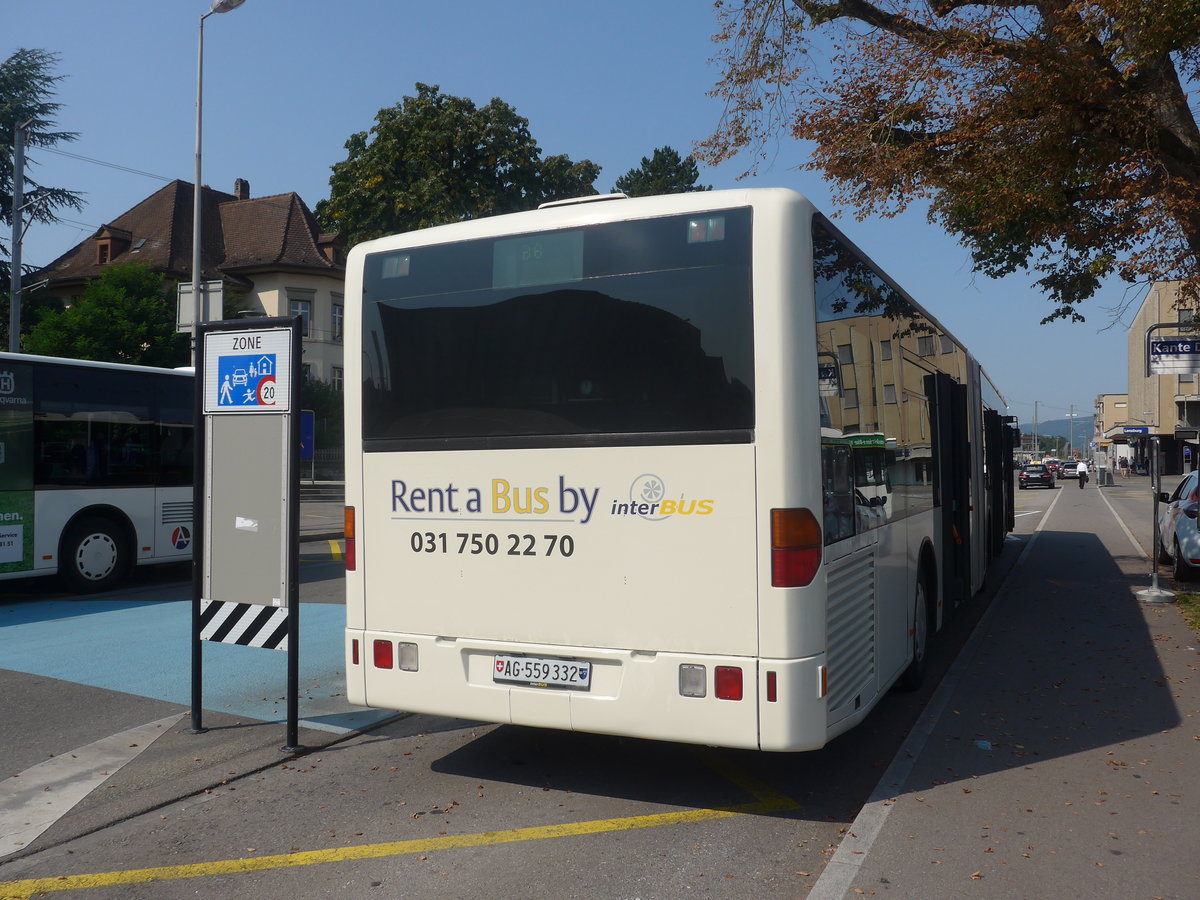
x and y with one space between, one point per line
1048 135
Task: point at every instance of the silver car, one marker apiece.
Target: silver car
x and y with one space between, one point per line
1178 536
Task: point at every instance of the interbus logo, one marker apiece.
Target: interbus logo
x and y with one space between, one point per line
648 500
8 382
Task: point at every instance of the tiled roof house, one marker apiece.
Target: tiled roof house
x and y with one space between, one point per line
270 249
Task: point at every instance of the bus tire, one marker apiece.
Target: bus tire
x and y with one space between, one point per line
95 555
914 676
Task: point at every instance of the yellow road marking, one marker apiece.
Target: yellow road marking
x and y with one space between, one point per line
335 550
22 890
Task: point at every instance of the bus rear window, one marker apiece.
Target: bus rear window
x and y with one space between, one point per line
623 328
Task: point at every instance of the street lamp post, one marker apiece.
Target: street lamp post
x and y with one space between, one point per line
218 6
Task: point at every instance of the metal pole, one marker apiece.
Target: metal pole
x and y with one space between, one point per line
18 201
196 304
1155 594
199 516
293 565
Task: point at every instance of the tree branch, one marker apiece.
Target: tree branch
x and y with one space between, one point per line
868 13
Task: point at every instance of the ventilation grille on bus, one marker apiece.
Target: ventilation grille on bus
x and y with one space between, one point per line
177 512
850 630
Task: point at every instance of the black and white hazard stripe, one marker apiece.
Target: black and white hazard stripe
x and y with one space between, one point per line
243 623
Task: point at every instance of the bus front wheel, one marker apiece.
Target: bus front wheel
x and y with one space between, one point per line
95 555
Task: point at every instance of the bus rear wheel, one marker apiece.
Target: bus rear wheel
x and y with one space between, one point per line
95 555
914 676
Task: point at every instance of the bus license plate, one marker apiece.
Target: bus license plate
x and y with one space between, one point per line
545 672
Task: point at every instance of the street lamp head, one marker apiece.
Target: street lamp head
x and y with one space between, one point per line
224 6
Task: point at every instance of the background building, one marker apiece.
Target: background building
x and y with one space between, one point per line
269 252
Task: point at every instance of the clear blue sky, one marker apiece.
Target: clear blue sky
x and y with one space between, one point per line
288 81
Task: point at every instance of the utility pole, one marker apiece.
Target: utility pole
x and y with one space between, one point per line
18 204
1036 449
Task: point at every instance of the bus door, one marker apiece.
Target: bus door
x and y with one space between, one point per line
952 483
998 462
851 532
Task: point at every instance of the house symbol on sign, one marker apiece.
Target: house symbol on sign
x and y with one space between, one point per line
265 365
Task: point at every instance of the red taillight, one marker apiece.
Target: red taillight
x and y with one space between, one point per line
795 547
348 526
728 683
384 654
772 687
354 651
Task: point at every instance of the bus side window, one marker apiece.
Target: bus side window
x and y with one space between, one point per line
837 477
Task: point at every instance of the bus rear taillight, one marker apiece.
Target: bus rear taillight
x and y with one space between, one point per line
348 526
383 654
795 547
728 684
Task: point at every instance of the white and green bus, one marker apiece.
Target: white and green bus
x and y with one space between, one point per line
95 468
686 468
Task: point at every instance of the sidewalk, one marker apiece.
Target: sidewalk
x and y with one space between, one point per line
1059 757
322 520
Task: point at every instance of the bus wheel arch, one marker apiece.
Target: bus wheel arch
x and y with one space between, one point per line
924 620
96 550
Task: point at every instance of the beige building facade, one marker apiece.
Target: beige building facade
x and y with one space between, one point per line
1160 408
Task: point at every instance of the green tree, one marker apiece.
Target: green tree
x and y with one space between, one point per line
126 315
666 172
326 403
26 88
1048 135
435 158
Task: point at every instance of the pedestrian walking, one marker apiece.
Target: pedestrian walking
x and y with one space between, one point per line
1082 470
1123 463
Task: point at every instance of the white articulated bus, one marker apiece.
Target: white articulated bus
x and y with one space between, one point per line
686 468
95 468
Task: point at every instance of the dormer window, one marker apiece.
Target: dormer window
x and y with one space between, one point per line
111 243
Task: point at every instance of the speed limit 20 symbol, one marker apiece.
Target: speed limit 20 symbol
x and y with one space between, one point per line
266 391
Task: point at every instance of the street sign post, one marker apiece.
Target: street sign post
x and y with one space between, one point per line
1174 357
246 502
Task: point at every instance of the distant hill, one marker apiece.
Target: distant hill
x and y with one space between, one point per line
1084 428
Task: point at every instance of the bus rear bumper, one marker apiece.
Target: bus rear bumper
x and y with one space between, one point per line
632 693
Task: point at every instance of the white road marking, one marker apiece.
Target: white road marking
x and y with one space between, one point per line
38 797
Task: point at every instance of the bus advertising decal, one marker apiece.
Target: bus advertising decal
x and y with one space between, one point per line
647 500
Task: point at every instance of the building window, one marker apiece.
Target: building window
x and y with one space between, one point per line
885 350
850 398
889 393
925 345
336 321
947 344
303 309
846 354
336 379
103 252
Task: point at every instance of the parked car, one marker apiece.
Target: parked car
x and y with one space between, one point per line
1178 534
1067 468
1037 473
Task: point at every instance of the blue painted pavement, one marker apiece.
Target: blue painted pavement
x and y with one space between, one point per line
145 649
